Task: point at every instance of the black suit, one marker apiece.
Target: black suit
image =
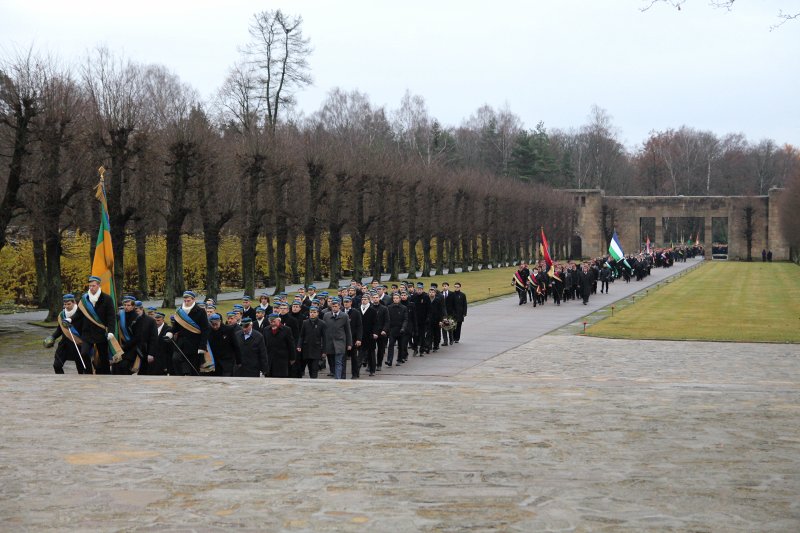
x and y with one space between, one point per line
369 327
163 353
250 313
281 349
94 337
436 314
225 348
148 335
459 312
357 332
447 296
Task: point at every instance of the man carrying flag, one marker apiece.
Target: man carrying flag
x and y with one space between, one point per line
99 323
615 249
547 259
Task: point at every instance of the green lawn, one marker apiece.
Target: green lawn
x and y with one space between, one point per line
720 301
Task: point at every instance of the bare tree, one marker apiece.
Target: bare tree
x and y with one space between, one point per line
20 79
115 91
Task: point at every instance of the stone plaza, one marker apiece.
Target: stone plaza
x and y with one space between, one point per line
559 432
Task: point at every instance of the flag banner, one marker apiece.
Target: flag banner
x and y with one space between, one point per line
615 249
647 245
546 251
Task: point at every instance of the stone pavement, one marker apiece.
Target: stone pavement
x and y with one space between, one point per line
560 434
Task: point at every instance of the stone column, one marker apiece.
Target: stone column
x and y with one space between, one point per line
659 236
708 237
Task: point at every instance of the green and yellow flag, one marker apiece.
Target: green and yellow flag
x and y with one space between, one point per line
103 263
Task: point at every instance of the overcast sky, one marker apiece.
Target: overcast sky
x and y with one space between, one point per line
547 60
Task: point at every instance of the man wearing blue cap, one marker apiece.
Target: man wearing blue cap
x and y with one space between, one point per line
281 347
163 353
222 346
247 311
339 339
100 322
129 339
70 323
252 359
190 335
146 328
357 332
311 343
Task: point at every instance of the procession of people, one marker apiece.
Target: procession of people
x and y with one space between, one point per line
578 281
364 327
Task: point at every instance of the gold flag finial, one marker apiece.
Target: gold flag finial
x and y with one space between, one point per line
102 172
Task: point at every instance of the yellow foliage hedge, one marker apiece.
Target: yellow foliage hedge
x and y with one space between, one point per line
18 273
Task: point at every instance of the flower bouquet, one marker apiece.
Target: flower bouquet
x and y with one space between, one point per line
449 323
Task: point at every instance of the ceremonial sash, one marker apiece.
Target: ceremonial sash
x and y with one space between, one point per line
208 360
186 322
88 311
518 281
114 350
67 329
124 326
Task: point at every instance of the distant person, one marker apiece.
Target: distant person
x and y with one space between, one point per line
459 310
769 256
764 255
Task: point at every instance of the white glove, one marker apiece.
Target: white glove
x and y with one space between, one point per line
168 335
201 351
68 320
110 336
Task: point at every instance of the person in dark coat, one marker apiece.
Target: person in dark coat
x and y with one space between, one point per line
382 319
422 305
370 332
99 322
252 359
281 348
224 346
586 280
247 310
311 343
459 307
190 334
148 334
163 352
398 325
294 325
435 316
357 332
447 296
129 339
411 328
70 323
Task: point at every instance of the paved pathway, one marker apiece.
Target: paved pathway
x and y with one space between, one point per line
500 325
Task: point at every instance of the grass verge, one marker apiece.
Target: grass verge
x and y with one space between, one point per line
720 301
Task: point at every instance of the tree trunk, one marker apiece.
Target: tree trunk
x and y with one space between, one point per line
41 297
377 269
269 279
358 255
465 253
335 246
394 265
413 261
439 255
451 256
318 255
474 253
141 262
249 261
485 250
308 237
52 252
23 116
174 282
426 257
281 236
293 262
211 239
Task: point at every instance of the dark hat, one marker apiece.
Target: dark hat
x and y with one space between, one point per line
313 308
347 299
274 315
68 297
420 285
159 313
434 285
190 294
95 278
247 320
238 307
245 298
230 313
128 298
151 308
312 287
260 310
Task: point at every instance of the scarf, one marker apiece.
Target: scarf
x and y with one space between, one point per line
94 297
69 314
